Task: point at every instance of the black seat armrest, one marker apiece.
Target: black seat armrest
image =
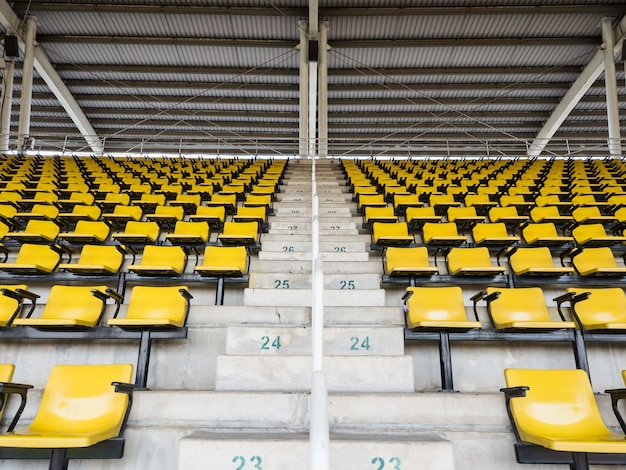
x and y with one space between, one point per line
7 388
617 394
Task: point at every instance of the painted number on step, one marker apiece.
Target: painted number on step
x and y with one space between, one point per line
281 283
358 344
255 462
295 211
334 227
289 249
340 249
292 227
268 343
393 461
332 212
347 284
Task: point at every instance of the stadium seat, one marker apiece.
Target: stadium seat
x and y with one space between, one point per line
594 235
166 216
228 201
240 233
464 217
556 419
224 263
390 234
96 260
535 262
443 234
416 217
213 215
61 422
160 261
189 234
440 310
121 215
550 214
80 212
38 212
36 231
597 309
87 231
471 262
378 214
493 235
12 302
34 259
252 213
596 262
507 215
153 308
592 215
544 234
406 263
138 233
6 374
70 307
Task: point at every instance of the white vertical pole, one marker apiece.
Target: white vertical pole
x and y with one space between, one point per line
7 102
27 81
312 108
323 90
610 83
304 88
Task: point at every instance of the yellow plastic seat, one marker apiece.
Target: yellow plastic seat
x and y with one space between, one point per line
10 305
36 231
584 200
557 410
39 212
471 262
259 200
189 202
507 215
378 214
602 309
437 308
549 214
240 233
464 217
251 213
213 215
228 201
7 212
138 233
149 202
518 201
592 215
61 421
111 200
81 212
6 375
166 216
444 234
231 261
407 261
521 308
122 214
493 234
76 198
595 235
370 200
160 261
189 233
391 234
96 260
70 306
544 234
597 262
481 202
552 200
416 217
155 306
33 259
536 262
87 231
401 202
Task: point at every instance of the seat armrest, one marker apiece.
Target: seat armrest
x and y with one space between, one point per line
127 388
7 388
21 295
117 298
515 392
185 293
407 295
617 394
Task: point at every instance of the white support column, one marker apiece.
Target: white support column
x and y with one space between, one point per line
610 83
323 90
304 89
7 102
28 69
312 138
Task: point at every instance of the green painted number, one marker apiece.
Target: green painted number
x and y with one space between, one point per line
258 460
295 211
266 345
289 249
241 460
255 459
340 249
332 212
357 344
292 227
334 227
376 460
395 461
281 283
347 285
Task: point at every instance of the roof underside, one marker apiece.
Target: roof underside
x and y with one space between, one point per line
224 74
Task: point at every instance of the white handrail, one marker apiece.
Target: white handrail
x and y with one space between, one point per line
318 432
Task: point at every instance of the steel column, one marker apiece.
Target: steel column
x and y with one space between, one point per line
304 88
323 91
610 83
7 102
28 69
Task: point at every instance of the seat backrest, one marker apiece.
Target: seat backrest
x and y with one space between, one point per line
226 256
212 211
81 399
199 229
6 375
156 302
101 255
559 403
117 198
582 213
525 258
47 210
9 305
518 304
74 302
40 255
45 228
383 229
439 304
447 229
487 230
412 212
537 214
534 232
149 229
587 232
250 229
256 212
497 213
158 199
170 256
590 259
174 211
230 199
459 258
456 212
377 212
604 305
134 212
401 257
82 197
545 200
97 228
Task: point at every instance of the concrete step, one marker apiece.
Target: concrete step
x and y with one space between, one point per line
210 451
289 297
305 225
329 256
375 374
294 341
302 210
285 233
341 198
260 265
303 281
334 236
293 246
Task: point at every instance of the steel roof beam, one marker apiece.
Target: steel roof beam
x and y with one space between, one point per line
11 22
575 94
